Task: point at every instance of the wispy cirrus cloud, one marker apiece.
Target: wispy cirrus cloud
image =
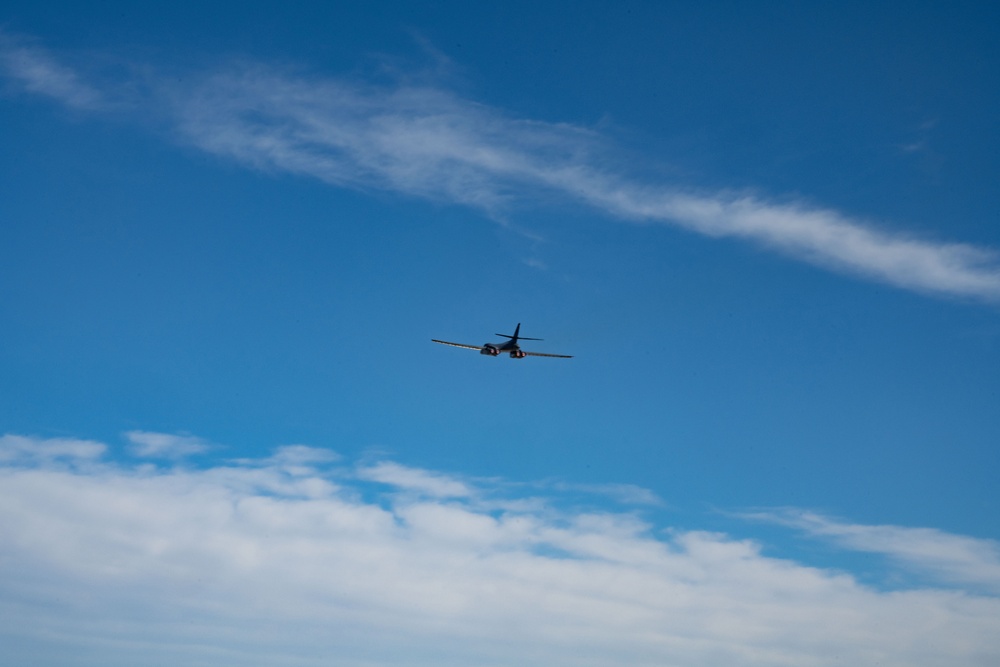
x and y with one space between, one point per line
427 141
414 479
23 449
255 562
951 558
39 72
624 493
165 445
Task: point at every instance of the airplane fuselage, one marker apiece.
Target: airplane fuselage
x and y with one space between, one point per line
509 347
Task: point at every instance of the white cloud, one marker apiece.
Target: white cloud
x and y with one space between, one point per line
822 237
428 142
628 494
951 558
254 564
164 445
40 73
304 454
414 479
23 449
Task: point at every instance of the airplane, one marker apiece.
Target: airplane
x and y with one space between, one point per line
510 346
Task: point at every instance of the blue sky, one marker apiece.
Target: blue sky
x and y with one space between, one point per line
766 232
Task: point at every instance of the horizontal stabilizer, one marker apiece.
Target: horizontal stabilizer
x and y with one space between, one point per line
518 337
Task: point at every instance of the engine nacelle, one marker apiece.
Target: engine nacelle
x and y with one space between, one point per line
490 350
518 354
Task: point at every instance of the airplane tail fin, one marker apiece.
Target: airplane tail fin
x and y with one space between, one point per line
516 337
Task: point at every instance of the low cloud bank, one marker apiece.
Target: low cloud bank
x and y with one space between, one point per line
302 558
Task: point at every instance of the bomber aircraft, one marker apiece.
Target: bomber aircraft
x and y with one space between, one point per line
511 346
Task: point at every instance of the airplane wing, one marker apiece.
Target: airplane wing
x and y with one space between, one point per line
544 354
467 347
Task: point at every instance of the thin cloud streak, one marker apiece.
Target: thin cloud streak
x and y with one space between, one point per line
36 70
430 143
822 237
951 558
427 142
23 450
165 445
623 493
414 480
261 562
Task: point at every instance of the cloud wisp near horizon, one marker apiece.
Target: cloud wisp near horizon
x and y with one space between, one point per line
300 553
425 141
953 558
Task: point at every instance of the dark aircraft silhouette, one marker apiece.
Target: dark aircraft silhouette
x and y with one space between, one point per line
510 346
